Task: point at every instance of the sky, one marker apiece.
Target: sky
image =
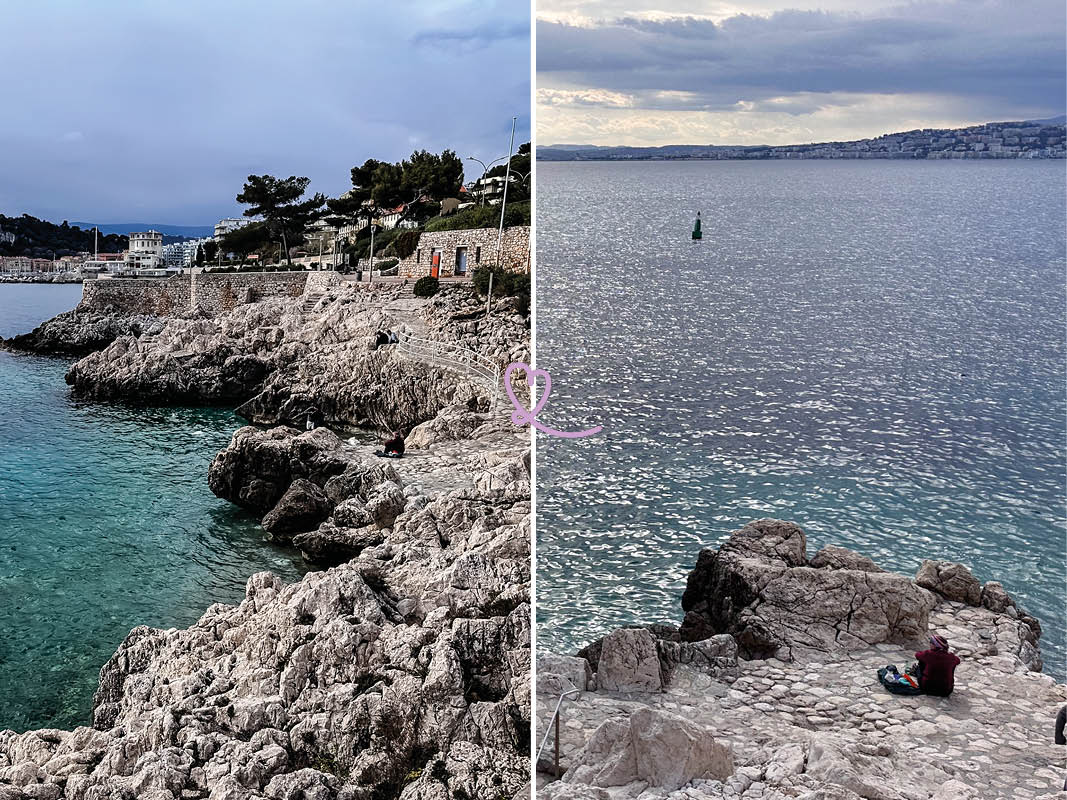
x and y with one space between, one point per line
611 72
156 111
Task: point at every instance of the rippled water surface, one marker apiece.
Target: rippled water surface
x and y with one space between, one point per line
874 350
106 522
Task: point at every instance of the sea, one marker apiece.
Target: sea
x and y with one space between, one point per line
106 523
874 350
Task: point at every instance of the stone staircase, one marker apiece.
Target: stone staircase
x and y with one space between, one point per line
311 300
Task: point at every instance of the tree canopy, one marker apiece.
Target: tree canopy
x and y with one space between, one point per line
379 185
246 239
38 238
277 201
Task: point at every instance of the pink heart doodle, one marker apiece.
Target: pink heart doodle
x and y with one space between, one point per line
522 415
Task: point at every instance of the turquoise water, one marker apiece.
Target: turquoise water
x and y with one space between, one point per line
874 350
106 522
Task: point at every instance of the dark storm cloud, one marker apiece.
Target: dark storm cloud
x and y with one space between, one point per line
1013 52
157 111
480 33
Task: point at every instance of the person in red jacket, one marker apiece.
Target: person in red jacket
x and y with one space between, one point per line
936 668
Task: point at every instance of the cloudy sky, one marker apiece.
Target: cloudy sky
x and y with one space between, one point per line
650 72
155 111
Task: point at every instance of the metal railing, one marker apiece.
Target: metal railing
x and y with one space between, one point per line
553 725
455 357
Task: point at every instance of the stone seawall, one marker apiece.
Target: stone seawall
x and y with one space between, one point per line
479 245
225 291
156 296
213 293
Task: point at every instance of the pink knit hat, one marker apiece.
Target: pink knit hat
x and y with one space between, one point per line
939 642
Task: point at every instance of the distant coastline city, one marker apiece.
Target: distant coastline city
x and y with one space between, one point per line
993 140
333 234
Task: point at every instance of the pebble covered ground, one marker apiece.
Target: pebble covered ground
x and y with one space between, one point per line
993 736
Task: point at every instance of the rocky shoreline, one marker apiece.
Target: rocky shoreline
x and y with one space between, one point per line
401 669
768 689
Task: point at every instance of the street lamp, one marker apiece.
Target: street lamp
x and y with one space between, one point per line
485 169
503 205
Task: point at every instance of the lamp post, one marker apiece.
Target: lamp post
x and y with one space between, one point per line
503 205
370 271
485 170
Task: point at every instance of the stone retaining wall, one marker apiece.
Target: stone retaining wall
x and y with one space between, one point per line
215 293
212 292
480 244
160 296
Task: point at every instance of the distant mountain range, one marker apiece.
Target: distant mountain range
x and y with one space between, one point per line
1028 139
125 228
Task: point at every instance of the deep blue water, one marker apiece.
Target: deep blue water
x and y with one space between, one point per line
872 349
106 522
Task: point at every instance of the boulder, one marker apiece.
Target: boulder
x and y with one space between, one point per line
560 790
716 656
575 669
330 545
301 508
996 599
954 790
950 580
834 557
384 503
451 424
629 662
759 588
661 749
258 466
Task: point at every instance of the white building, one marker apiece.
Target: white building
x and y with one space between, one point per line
224 226
146 250
181 255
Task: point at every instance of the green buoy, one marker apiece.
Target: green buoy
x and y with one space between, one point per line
696 228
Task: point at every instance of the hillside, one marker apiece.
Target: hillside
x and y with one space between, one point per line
1037 139
39 238
178 231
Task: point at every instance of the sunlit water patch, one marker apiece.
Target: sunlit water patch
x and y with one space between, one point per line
874 350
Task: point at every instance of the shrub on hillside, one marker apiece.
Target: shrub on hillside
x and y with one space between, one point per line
505 284
482 217
406 242
426 287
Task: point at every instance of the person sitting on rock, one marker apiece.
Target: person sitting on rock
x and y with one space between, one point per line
394 338
936 668
380 338
395 446
1061 720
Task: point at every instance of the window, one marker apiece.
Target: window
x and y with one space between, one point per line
477 255
418 256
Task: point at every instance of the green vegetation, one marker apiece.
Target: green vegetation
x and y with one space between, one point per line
426 287
247 240
38 238
278 201
482 217
519 189
505 284
378 186
405 243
